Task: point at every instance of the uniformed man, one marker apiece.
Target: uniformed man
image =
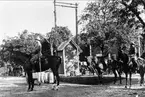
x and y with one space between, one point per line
132 55
132 50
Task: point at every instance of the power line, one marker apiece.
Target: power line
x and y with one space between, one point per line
68 5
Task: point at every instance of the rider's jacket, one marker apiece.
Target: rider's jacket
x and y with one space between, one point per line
132 50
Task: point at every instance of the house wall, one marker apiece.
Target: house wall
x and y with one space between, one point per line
71 60
142 46
61 68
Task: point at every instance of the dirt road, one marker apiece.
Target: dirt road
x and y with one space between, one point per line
16 87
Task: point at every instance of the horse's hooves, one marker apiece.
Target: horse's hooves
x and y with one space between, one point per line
125 86
28 90
55 87
141 85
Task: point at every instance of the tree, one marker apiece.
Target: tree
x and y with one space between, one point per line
59 35
134 8
97 18
13 48
104 25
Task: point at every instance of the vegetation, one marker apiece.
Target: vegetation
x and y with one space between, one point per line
105 24
110 23
13 48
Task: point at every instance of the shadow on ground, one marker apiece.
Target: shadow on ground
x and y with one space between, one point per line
87 80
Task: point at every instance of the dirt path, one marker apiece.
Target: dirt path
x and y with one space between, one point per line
16 87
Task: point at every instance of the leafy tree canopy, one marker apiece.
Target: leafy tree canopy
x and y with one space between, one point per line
105 25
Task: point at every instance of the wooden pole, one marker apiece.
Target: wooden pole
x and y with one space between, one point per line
76 13
40 52
55 25
40 64
90 49
69 5
139 49
55 14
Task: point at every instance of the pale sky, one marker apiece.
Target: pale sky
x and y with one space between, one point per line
35 16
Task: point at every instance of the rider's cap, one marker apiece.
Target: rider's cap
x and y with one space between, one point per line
132 43
38 38
98 55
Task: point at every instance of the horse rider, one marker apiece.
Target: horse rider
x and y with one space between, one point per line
38 53
39 46
132 54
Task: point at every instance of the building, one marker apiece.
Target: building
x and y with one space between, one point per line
69 52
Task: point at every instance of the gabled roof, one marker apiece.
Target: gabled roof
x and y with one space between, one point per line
65 43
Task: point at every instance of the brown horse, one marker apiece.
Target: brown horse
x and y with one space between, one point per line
97 65
52 62
114 66
141 69
129 66
47 62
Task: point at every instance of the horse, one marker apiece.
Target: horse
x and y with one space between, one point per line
90 64
114 66
97 65
128 65
141 68
47 62
52 62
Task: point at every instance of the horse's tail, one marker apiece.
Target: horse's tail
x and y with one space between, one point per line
126 58
59 62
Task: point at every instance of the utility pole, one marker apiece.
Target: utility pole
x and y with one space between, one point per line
55 20
76 10
55 14
68 5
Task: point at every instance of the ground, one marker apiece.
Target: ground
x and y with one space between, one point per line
17 87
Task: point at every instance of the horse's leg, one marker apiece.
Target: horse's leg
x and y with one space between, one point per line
126 77
119 73
120 77
100 76
32 84
130 75
141 78
115 75
56 79
28 78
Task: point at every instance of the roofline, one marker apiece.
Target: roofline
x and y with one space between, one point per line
71 39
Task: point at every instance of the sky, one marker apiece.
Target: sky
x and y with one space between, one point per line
36 16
